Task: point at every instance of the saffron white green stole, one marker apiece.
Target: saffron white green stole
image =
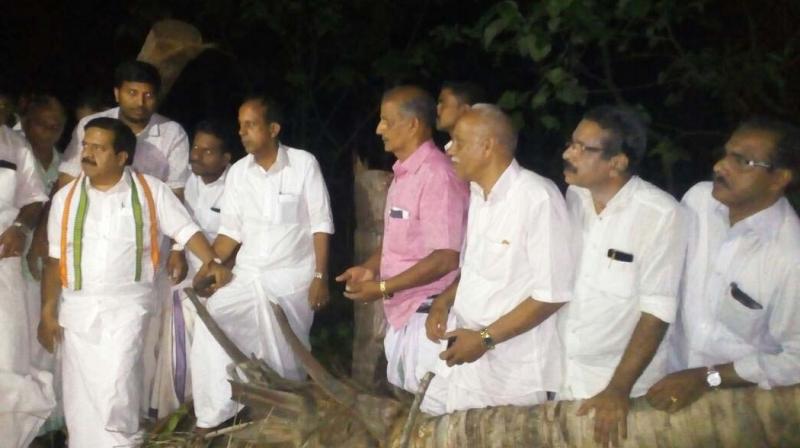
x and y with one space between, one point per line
73 220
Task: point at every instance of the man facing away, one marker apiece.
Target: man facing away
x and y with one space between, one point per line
516 272
426 209
632 244
455 98
739 320
276 212
104 230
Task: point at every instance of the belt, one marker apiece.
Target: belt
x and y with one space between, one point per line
425 307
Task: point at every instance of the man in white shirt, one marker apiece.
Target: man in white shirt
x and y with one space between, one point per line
26 395
455 98
213 147
276 211
739 320
104 230
632 242
516 272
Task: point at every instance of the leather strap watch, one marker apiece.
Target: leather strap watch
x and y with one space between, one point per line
487 339
713 378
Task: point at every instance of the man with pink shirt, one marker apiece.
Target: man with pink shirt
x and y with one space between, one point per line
426 211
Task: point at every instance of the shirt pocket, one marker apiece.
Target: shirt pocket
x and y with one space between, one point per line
125 227
497 256
739 319
288 208
7 185
617 278
396 235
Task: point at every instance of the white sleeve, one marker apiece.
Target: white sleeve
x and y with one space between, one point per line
71 159
549 251
29 188
178 159
317 200
230 217
173 219
54 222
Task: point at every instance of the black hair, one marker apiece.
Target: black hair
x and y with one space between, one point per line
225 132
419 104
466 92
137 71
628 133
273 112
124 138
786 153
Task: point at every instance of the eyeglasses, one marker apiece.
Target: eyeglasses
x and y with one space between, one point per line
743 163
581 148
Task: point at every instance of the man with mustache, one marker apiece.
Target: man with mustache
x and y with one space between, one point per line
739 320
104 230
426 209
632 244
516 273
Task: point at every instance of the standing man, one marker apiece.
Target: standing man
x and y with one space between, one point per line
455 98
739 321
516 272
26 395
213 148
632 239
104 229
426 210
276 211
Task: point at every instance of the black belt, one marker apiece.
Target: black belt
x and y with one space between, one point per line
425 307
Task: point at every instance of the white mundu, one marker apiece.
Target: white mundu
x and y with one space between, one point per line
26 395
740 299
273 214
630 263
517 247
162 149
107 297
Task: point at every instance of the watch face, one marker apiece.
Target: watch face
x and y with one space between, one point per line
713 378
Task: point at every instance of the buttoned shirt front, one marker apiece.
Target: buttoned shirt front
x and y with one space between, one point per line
204 202
631 256
20 184
426 209
162 149
758 257
518 246
109 236
274 214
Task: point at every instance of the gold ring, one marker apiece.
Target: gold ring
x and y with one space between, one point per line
674 400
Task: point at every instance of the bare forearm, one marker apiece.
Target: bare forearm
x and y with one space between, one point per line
730 378
448 296
431 268
321 249
641 348
522 318
224 247
29 214
199 246
51 286
373 263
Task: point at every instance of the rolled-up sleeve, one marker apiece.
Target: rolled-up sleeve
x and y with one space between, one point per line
54 223
70 161
769 370
317 200
173 218
29 188
549 251
662 265
178 160
230 217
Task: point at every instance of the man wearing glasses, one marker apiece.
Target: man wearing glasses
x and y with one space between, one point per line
631 239
739 321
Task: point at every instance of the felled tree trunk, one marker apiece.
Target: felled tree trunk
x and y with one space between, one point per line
369 321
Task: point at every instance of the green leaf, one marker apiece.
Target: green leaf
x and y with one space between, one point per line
549 122
517 120
541 97
508 100
492 30
556 75
571 93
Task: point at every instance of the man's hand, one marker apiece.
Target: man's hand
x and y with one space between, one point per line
467 347
610 415
176 266
436 323
49 332
37 254
356 274
678 390
318 294
367 291
12 242
221 276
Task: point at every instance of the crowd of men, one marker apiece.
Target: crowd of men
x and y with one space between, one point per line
507 290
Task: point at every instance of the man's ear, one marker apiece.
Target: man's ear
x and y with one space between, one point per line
122 158
227 157
620 163
781 179
274 130
116 94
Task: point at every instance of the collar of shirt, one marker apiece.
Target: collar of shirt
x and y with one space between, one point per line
415 160
764 224
623 197
281 161
122 186
503 185
220 180
151 130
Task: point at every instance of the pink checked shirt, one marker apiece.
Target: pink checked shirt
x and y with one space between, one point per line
426 210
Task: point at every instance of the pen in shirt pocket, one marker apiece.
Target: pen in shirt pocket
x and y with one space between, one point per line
743 298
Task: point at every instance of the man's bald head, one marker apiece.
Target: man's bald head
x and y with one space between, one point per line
414 102
491 122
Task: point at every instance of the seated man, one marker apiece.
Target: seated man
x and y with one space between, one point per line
739 320
516 272
103 233
632 244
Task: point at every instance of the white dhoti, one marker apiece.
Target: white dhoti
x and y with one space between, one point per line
242 309
102 368
26 394
410 355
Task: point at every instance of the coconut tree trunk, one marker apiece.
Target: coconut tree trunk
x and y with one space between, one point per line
369 364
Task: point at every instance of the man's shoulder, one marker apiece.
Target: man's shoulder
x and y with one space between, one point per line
166 123
297 155
699 194
649 196
535 186
12 144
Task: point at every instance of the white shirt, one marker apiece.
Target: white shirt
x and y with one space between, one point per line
162 149
630 261
109 237
274 214
761 255
204 202
20 183
517 247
